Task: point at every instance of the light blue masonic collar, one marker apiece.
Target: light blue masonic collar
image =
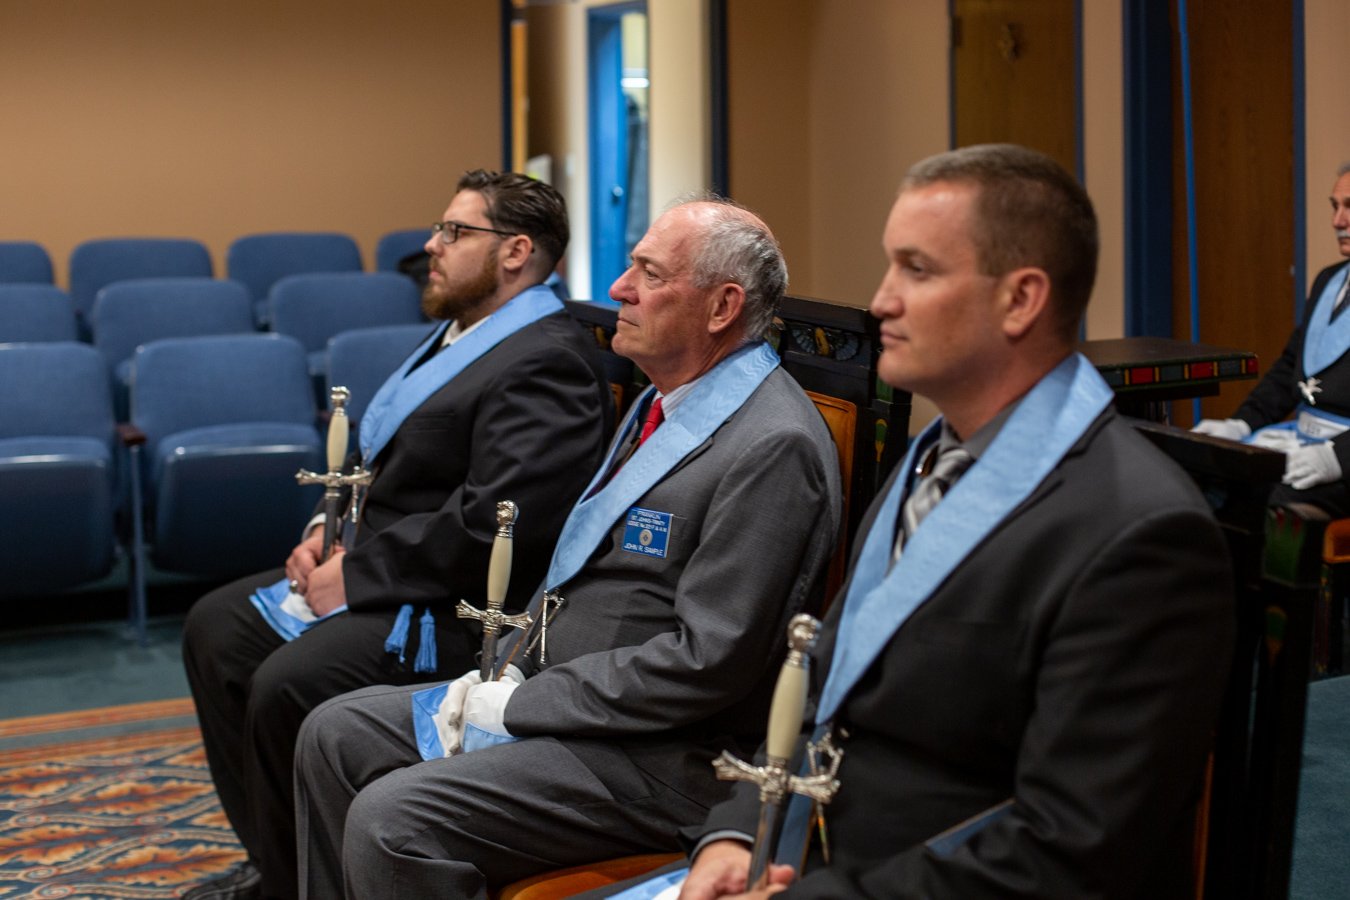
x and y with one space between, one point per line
1326 341
1046 424
716 397
402 393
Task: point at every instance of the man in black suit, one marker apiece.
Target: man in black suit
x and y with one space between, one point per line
1312 378
1040 605
506 401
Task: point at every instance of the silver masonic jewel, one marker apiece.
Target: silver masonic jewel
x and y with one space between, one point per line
1308 388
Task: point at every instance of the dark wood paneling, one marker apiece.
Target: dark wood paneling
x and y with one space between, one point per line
1242 97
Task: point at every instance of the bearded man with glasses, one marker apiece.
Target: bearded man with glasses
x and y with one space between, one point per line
506 399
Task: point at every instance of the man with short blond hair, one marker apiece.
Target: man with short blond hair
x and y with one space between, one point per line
709 525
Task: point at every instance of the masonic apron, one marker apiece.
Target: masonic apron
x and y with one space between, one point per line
1325 342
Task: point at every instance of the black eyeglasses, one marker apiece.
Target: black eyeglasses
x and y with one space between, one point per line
449 231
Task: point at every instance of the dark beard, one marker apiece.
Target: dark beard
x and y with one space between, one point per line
453 301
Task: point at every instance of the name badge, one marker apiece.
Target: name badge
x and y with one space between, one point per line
646 532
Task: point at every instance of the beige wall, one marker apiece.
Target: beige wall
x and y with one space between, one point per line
832 100
1104 160
216 118
1327 34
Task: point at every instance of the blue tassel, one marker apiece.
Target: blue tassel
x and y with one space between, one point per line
398 635
426 648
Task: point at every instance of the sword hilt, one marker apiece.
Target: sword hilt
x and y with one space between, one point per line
499 578
785 722
499 564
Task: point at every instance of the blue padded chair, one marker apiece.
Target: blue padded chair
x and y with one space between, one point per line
261 260
56 467
36 312
395 245
94 264
313 308
130 313
363 359
24 261
226 421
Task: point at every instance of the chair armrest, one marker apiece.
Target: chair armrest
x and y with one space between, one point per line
130 435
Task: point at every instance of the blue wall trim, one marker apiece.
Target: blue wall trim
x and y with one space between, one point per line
1300 168
1148 167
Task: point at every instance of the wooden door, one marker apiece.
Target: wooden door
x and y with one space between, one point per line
1242 97
1013 67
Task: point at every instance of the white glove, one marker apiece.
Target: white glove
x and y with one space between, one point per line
450 716
1311 465
460 697
1281 440
1229 429
485 706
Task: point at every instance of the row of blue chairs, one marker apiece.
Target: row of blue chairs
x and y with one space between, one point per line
202 478
311 308
257 261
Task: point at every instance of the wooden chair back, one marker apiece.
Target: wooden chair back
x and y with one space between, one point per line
842 419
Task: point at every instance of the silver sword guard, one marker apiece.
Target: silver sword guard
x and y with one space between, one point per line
774 781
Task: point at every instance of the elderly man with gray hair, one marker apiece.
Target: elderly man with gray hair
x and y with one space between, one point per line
710 523
1311 381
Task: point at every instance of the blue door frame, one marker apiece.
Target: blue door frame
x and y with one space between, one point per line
608 126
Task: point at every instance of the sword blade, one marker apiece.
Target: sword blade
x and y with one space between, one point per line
330 520
489 652
766 836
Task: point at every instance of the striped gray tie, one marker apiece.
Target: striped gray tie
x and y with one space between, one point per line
950 466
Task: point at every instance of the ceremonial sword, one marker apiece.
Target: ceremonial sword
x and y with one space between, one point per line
499 576
776 785
334 481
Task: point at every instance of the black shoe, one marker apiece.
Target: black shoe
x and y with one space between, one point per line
244 883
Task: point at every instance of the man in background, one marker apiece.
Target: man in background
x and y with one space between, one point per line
1311 378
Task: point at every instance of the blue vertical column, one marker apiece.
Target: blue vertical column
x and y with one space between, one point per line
1148 168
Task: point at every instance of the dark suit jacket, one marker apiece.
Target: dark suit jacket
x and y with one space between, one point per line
1277 395
672 660
1075 661
527 421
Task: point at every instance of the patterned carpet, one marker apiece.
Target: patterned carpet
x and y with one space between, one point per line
130 816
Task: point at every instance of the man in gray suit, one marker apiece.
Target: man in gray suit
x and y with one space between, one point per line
709 525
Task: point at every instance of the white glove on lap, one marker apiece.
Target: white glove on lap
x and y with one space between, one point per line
485 705
1229 429
1311 465
450 716
1281 440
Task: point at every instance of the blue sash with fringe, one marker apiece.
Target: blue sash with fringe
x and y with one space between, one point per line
402 393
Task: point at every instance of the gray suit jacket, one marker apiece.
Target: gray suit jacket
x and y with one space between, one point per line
673 660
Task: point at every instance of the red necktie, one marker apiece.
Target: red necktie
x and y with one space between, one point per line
655 416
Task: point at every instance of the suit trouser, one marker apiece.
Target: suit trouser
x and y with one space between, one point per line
253 690
1332 498
373 817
